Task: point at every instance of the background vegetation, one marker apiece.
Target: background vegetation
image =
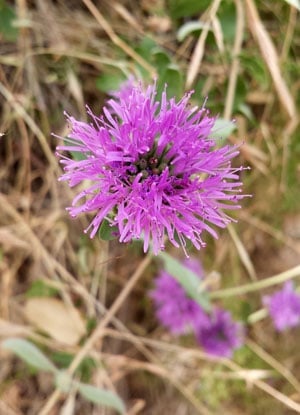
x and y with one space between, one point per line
84 303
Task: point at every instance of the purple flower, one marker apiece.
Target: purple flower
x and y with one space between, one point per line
284 307
174 309
218 334
151 169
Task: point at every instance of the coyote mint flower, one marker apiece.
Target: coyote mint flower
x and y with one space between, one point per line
151 169
219 334
174 309
284 307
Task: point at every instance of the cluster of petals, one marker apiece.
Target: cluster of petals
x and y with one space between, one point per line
174 309
149 166
284 307
217 332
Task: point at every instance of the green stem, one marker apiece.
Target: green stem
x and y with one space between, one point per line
256 286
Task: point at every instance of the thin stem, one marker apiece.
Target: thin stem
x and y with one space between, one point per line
258 285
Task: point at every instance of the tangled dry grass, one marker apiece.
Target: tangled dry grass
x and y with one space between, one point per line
84 302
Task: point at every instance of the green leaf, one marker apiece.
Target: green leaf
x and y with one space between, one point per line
106 232
295 3
161 58
145 47
188 28
171 76
7 16
247 111
109 81
101 397
40 289
186 8
227 17
187 279
84 370
29 353
256 68
222 128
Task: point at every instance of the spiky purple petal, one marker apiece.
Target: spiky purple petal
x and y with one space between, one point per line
152 169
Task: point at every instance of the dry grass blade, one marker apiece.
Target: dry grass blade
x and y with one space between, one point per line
197 56
89 344
31 124
49 267
241 373
275 364
270 57
285 400
116 39
243 254
258 285
127 16
235 60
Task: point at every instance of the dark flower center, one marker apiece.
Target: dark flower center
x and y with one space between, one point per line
148 165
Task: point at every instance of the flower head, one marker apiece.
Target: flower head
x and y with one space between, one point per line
151 169
218 334
174 309
284 307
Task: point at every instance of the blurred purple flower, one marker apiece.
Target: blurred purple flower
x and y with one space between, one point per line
218 334
174 309
284 307
151 169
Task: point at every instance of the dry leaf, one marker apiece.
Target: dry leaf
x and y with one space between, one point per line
58 320
159 24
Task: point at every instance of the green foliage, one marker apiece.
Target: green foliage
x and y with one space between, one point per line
294 3
170 76
39 288
227 17
186 8
214 390
62 359
160 57
98 396
101 397
107 82
7 17
188 28
145 47
222 128
291 200
168 73
84 370
246 308
107 232
29 353
255 68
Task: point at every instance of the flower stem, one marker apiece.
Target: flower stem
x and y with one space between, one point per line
256 286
